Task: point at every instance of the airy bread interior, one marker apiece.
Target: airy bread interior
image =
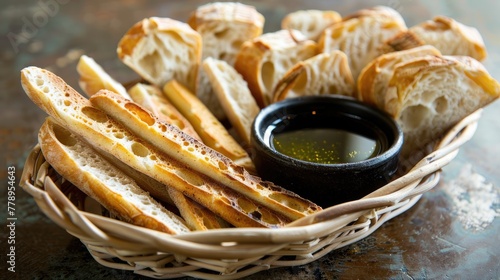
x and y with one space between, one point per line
99 179
310 22
234 96
428 94
162 49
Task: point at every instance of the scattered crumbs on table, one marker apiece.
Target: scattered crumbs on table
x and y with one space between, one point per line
475 201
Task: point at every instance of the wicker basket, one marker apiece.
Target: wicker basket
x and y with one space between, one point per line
236 252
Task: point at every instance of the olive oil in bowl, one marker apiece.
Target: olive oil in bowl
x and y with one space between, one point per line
329 149
326 145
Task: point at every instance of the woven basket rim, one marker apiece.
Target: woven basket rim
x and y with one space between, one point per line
238 252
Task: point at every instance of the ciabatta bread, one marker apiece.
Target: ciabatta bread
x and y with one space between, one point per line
326 73
234 96
77 114
185 149
223 26
153 99
374 78
428 95
211 131
76 161
310 22
360 37
264 60
451 37
162 49
93 78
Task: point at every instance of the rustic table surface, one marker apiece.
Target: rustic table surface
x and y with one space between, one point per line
451 233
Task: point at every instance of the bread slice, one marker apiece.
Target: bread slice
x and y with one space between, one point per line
374 78
153 99
211 131
162 49
179 146
428 95
77 114
360 37
223 26
93 78
310 22
99 179
264 60
326 73
451 37
379 11
196 216
404 40
234 96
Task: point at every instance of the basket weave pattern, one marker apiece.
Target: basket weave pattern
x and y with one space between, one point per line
235 252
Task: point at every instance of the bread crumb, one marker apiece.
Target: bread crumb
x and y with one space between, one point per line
475 201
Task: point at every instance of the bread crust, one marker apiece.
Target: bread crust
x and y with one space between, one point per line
265 59
183 148
153 99
325 73
374 78
65 153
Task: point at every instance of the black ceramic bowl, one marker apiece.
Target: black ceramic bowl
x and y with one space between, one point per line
306 170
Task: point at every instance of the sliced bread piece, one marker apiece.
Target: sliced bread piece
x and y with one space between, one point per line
211 131
310 22
451 37
153 99
359 38
93 78
264 60
428 95
234 96
326 73
162 49
76 161
374 78
223 26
